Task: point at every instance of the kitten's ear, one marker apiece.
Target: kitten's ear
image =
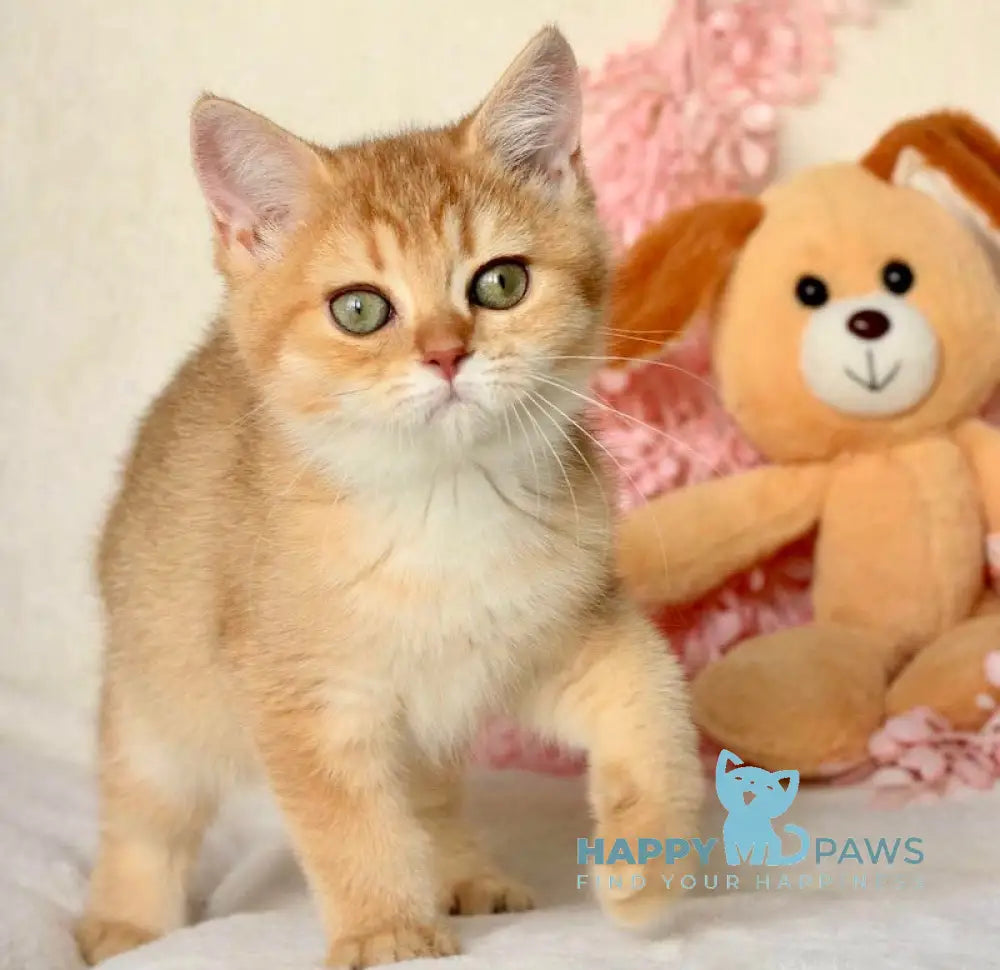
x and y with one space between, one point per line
256 177
531 118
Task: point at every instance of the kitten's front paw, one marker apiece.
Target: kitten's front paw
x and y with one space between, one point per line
100 939
489 893
644 893
391 945
635 893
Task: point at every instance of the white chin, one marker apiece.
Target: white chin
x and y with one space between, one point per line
875 377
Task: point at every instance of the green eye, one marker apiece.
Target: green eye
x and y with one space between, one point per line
499 286
360 311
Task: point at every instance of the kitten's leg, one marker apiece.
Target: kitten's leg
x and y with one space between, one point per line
621 695
151 823
468 882
343 790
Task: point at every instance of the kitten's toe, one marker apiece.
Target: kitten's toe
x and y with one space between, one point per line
100 939
639 895
391 945
489 893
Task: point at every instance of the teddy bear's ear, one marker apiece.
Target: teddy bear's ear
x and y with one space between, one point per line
676 268
952 157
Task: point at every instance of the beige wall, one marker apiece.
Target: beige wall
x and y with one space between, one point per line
104 259
923 54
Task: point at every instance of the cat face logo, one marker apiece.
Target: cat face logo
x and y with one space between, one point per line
754 797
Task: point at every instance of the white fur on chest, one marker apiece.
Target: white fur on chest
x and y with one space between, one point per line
471 563
488 584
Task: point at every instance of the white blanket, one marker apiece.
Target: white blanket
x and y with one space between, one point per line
255 914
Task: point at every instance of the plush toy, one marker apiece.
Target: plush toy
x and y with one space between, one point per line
856 337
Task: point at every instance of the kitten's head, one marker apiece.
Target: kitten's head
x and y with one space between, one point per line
745 788
423 290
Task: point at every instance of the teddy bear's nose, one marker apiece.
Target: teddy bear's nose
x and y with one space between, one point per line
869 324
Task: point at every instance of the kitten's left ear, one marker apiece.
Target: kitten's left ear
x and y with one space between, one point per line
531 118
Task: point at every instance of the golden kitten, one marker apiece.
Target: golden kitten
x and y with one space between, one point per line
365 514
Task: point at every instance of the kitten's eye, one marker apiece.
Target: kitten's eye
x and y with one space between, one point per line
811 291
499 286
360 312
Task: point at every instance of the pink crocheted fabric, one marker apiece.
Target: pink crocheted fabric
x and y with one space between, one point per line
919 756
694 114
691 115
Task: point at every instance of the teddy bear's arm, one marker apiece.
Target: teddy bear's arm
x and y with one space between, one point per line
682 544
981 444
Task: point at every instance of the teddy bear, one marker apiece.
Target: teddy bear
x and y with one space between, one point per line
855 338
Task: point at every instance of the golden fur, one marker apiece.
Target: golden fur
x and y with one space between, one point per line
323 567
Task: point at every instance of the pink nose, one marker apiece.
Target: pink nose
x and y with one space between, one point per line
446 359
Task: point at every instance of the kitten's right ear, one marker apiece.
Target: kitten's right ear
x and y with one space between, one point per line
675 269
531 119
256 177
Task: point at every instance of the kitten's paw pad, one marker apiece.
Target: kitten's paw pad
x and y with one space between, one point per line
100 939
391 946
489 894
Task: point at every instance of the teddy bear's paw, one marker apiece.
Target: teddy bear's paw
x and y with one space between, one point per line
951 676
802 698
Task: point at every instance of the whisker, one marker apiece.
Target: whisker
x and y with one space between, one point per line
245 417
634 337
640 333
562 466
673 439
531 454
263 404
600 444
665 364
507 500
541 402
506 423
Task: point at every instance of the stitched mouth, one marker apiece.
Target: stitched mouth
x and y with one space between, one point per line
871 381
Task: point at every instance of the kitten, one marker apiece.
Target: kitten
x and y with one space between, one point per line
364 514
753 797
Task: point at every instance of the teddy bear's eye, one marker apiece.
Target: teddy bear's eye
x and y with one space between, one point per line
811 291
898 277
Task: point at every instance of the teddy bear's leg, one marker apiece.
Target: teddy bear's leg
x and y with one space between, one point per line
949 674
988 605
806 698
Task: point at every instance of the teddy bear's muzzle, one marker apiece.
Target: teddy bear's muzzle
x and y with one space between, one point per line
874 355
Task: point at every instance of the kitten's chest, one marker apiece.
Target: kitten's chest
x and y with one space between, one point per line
467 560
470 583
